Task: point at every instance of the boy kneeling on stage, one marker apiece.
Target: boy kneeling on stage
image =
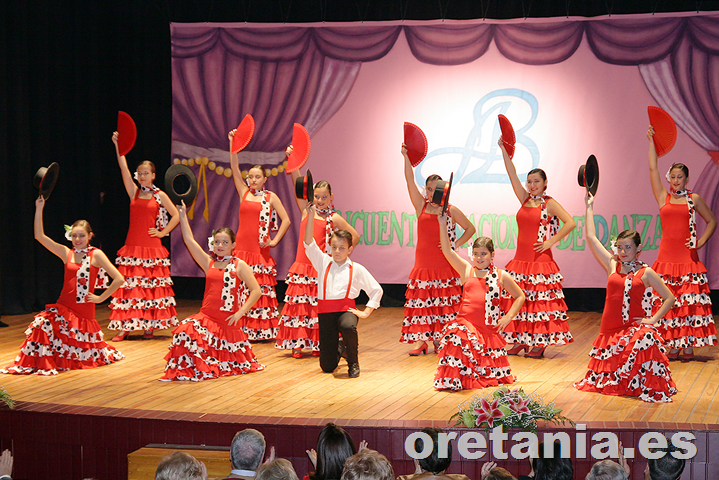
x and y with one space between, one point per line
339 281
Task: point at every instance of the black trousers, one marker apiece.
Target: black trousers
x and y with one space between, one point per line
331 325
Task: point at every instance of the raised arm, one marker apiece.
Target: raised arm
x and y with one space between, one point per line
462 220
59 250
309 233
130 185
284 220
294 175
100 260
653 280
462 266
245 273
508 283
415 196
519 189
703 209
173 221
198 254
660 193
555 209
240 184
600 253
339 222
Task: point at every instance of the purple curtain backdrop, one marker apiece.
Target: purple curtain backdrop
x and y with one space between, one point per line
283 75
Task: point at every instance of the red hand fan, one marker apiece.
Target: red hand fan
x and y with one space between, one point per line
300 148
507 134
126 133
416 142
244 133
665 130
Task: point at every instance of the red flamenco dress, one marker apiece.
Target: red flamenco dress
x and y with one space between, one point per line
204 345
298 324
689 323
261 322
542 321
471 352
434 291
628 358
146 301
65 336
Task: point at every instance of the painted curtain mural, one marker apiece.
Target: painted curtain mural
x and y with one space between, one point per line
570 87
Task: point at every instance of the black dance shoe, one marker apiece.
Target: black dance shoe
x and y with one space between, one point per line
353 371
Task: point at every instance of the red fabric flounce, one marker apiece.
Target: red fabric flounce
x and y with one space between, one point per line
433 297
631 361
58 339
299 326
470 359
203 348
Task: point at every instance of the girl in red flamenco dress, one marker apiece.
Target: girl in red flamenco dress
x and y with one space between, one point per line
689 324
434 290
472 353
298 325
257 206
146 301
542 321
211 344
628 356
66 336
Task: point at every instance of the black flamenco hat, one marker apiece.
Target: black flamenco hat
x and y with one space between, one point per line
304 188
46 178
441 193
588 175
180 184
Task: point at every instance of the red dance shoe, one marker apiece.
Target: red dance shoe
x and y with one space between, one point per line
121 336
673 355
148 335
534 353
687 357
517 349
417 351
296 353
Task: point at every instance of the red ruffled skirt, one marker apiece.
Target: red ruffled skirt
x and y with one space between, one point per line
432 301
261 322
146 300
471 358
689 323
630 362
298 324
57 339
202 348
543 318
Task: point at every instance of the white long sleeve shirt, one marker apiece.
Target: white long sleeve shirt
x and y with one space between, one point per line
338 277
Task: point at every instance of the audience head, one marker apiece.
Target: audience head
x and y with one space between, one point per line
248 449
554 468
607 470
367 465
180 466
334 446
433 463
277 469
498 473
666 468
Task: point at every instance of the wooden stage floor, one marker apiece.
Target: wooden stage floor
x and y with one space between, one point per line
392 386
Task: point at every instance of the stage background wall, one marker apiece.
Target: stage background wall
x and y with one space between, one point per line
571 88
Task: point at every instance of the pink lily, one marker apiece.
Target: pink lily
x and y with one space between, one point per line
488 413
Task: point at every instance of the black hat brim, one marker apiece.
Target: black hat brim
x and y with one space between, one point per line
46 178
588 175
181 184
304 187
441 193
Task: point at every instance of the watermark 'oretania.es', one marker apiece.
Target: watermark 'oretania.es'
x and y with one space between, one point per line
473 445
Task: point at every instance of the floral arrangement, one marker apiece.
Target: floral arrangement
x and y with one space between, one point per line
6 398
509 409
